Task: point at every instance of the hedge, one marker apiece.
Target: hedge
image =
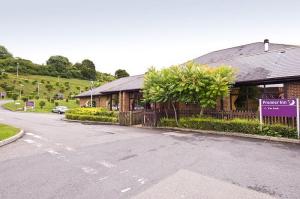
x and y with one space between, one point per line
94 112
235 125
91 118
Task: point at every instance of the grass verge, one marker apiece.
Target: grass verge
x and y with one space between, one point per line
7 131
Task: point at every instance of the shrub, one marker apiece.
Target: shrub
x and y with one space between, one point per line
42 104
94 111
56 103
235 125
91 118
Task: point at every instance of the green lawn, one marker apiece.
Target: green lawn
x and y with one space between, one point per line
18 105
7 131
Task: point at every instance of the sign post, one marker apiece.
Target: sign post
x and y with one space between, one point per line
281 108
260 115
298 123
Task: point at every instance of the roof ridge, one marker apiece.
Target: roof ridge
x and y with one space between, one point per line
254 54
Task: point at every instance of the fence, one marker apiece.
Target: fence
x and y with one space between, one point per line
152 118
129 118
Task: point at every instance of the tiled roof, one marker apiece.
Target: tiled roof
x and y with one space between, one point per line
122 84
251 62
254 64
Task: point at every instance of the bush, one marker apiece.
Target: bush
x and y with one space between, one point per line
42 104
91 118
94 111
235 125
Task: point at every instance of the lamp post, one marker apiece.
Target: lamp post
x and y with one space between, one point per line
92 93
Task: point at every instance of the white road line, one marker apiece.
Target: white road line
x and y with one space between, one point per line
36 136
89 170
104 178
124 171
125 190
29 141
106 164
69 149
141 181
51 151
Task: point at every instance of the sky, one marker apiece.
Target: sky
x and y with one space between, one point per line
137 34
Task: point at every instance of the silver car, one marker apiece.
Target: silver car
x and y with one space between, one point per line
60 109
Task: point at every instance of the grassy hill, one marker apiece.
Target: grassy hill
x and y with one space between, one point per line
27 85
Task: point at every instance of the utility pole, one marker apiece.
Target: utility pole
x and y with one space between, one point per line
92 93
38 88
17 69
21 90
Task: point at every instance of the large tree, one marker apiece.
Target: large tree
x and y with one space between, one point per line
190 83
4 53
58 63
88 69
161 86
203 84
121 73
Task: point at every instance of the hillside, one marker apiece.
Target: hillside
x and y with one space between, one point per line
48 86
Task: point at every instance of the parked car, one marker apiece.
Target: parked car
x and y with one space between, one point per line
60 109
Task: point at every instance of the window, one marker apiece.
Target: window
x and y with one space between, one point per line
135 101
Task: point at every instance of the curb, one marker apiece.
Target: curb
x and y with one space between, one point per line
232 134
89 122
12 139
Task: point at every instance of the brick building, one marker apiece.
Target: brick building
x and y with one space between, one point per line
263 70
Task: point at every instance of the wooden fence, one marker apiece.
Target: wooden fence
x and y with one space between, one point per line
151 118
129 118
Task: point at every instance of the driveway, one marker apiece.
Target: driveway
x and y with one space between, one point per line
57 159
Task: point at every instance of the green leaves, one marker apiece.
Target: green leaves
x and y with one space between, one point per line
188 84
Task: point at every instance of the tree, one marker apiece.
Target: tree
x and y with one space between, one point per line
88 69
121 73
161 86
14 96
4 53
204 85
42 104
58 63
190 83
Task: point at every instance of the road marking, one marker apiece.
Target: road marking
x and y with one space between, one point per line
178 134
89 170
125 190
29 141
36 136
104 178
141 180
106 164
51 151
124 171
58 144
69 149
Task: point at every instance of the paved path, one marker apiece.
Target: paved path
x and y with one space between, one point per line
57 159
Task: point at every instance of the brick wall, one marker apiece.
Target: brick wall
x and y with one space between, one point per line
103 101
292 89
83 101
125 101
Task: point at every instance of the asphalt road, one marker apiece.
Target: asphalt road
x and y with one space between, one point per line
58 159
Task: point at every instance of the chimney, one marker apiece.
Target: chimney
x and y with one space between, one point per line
266 42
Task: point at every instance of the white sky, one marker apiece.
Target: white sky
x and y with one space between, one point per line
137 34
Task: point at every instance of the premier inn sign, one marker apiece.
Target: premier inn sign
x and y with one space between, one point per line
280 108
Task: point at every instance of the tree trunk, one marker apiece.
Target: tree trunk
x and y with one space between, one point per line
201 111
175 113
